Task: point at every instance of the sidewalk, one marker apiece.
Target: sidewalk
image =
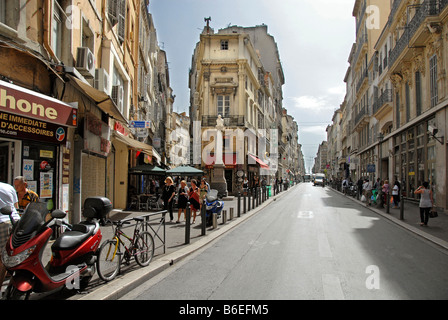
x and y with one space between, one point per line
436 231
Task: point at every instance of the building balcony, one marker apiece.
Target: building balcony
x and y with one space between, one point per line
362 118
416 31
383 105
364 79
229 121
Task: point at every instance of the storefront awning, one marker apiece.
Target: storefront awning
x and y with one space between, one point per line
261 163
103 101
148 170
23 102
137 145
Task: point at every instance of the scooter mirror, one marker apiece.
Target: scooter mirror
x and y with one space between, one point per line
58 214
7 211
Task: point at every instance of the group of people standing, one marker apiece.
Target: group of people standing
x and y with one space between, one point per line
366 188
426 202
194 195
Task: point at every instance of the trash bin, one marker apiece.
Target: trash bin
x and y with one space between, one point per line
269 191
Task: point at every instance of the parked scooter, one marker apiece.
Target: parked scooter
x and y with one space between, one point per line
213 206
72 263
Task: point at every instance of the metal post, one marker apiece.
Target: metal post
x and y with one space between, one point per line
257 195
203 222
231 213
401 207
248 200
244 203
215 220
224 216
187 224
254 190
239 205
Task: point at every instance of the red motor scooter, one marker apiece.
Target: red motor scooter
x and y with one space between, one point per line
72 263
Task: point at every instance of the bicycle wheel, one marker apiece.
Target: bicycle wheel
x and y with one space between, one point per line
109 260
144 248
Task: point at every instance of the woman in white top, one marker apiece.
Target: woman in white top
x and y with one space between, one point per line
426 202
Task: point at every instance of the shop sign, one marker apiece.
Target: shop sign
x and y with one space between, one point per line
18 127
96 136
27 103
140 124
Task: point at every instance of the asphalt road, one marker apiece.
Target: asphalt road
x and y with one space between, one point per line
311 244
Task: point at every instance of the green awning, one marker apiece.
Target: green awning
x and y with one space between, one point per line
147 169
185 171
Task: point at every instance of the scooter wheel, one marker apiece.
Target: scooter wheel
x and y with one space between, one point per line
12 293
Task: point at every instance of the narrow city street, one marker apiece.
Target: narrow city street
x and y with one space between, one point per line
313 243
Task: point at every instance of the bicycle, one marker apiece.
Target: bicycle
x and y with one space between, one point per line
110 257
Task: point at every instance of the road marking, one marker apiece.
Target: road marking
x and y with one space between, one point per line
324 246
305 215
332 287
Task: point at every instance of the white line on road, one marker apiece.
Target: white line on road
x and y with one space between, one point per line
332 287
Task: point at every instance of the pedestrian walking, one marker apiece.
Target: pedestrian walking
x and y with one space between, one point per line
344 186
426 202
367 187
396 194
204 189
359 184
385 190
182 200
168 194
8 197
193 195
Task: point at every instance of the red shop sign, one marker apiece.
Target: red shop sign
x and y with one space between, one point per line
24 102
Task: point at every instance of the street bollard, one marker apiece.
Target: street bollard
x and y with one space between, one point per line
224 216
253 197
203 222
231 213
187 223
401 207
215 220
248 201
238 207
244 203
256 198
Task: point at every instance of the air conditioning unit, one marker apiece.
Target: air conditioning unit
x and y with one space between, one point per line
102 80
118 96
85 62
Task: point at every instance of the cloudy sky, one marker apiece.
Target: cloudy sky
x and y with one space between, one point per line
314 38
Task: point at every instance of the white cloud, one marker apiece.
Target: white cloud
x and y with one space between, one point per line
340 91
314 104
319 130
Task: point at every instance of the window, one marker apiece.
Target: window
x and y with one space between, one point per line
56 29
2 11
397 109
224 106
418 93
224 44
408 102
433 80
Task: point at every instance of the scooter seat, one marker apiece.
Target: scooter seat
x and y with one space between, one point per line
74 238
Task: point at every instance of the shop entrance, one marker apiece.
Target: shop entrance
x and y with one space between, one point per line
39 167
6 161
